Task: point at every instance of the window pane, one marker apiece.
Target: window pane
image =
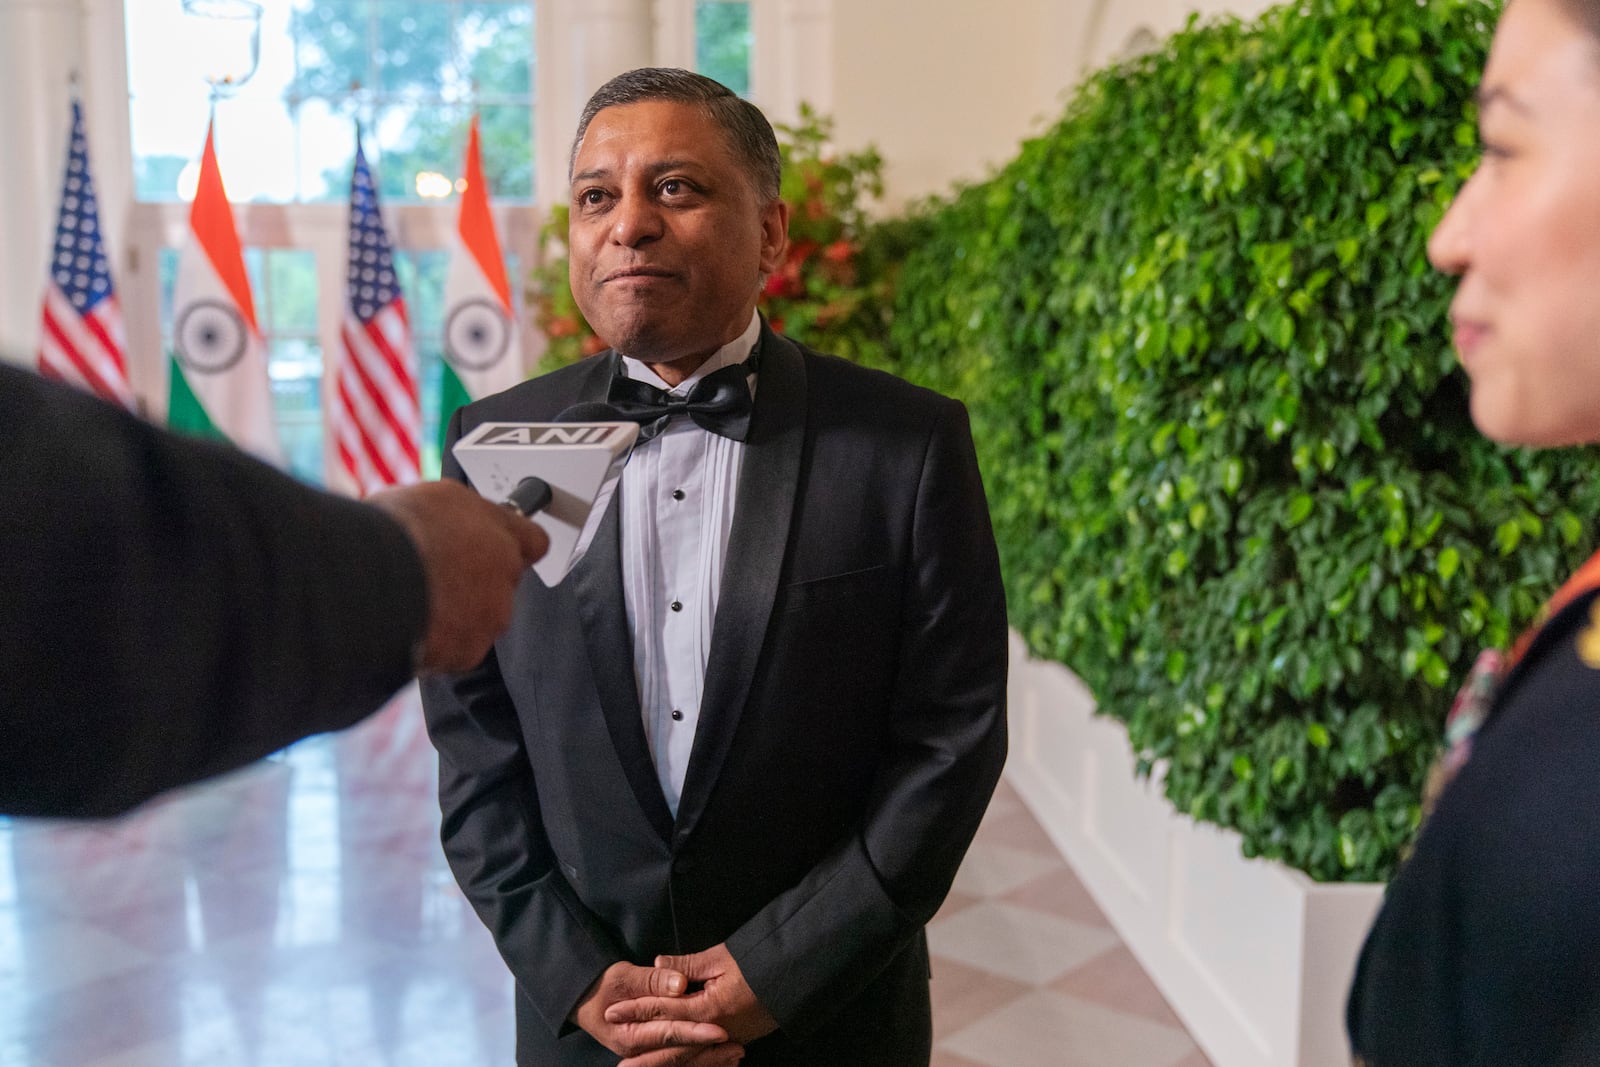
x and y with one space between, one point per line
285 291
168 134
407 141
168 96
325 149
171 55
422 277
430 358
156 176
413 50
495 43
410 70
283 285
291 285
333 48
506 137
722 42
168 266
255 142
295 366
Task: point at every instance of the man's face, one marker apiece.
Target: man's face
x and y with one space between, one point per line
669 242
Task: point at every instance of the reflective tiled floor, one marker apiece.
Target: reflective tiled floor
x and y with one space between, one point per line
1027 972
299 914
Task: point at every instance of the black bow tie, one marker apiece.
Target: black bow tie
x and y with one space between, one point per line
719 402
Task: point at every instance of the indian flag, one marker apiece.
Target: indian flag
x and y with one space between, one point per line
482 354
219 361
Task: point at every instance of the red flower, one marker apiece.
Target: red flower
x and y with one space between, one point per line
776 324
593 345
786 281
563 326
780 284
839 252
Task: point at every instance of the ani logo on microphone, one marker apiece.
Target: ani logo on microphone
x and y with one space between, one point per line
538 435
210 337
476 335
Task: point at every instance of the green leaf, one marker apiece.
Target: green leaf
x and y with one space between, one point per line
1282 767
1508 535
1347 850
1232 475
1395 73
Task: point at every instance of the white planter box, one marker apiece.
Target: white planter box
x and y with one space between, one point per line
1256 958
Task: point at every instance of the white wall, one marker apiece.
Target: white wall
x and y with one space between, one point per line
42 43
948 90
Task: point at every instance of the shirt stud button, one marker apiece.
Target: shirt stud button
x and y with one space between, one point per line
677 605
678 494
677 716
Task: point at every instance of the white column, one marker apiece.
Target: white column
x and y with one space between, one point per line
793 60
675 37
40 46
43 44
582 44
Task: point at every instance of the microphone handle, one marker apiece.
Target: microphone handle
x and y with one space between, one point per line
530 495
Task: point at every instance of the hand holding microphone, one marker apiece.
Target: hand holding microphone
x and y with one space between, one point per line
474 554
566 471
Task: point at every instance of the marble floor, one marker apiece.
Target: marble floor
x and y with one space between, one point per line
298 913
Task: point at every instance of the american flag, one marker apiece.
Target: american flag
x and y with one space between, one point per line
82 340
378 419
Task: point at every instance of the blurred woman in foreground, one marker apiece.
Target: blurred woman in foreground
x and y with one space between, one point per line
1487 950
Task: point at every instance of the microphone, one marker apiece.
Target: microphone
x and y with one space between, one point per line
531 495
564 471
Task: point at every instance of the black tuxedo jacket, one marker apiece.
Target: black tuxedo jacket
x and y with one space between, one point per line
851 732
171 609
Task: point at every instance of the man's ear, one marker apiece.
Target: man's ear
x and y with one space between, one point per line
774 235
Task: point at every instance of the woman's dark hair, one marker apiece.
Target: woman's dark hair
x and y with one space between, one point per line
1587 13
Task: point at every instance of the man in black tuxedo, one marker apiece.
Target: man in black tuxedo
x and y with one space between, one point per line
707 792
171 609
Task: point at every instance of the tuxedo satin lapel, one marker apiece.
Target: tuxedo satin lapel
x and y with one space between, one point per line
604 614
768 483
597 384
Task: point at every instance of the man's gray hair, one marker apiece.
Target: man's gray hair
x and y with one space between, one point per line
748 132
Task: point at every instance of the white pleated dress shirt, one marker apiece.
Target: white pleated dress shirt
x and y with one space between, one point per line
677 499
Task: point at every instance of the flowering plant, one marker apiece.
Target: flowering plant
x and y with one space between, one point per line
568 336
835 287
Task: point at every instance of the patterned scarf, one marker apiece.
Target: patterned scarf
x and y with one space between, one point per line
1471 706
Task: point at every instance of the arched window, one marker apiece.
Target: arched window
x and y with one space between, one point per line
412 73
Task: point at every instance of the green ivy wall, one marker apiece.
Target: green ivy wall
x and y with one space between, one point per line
1225 440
